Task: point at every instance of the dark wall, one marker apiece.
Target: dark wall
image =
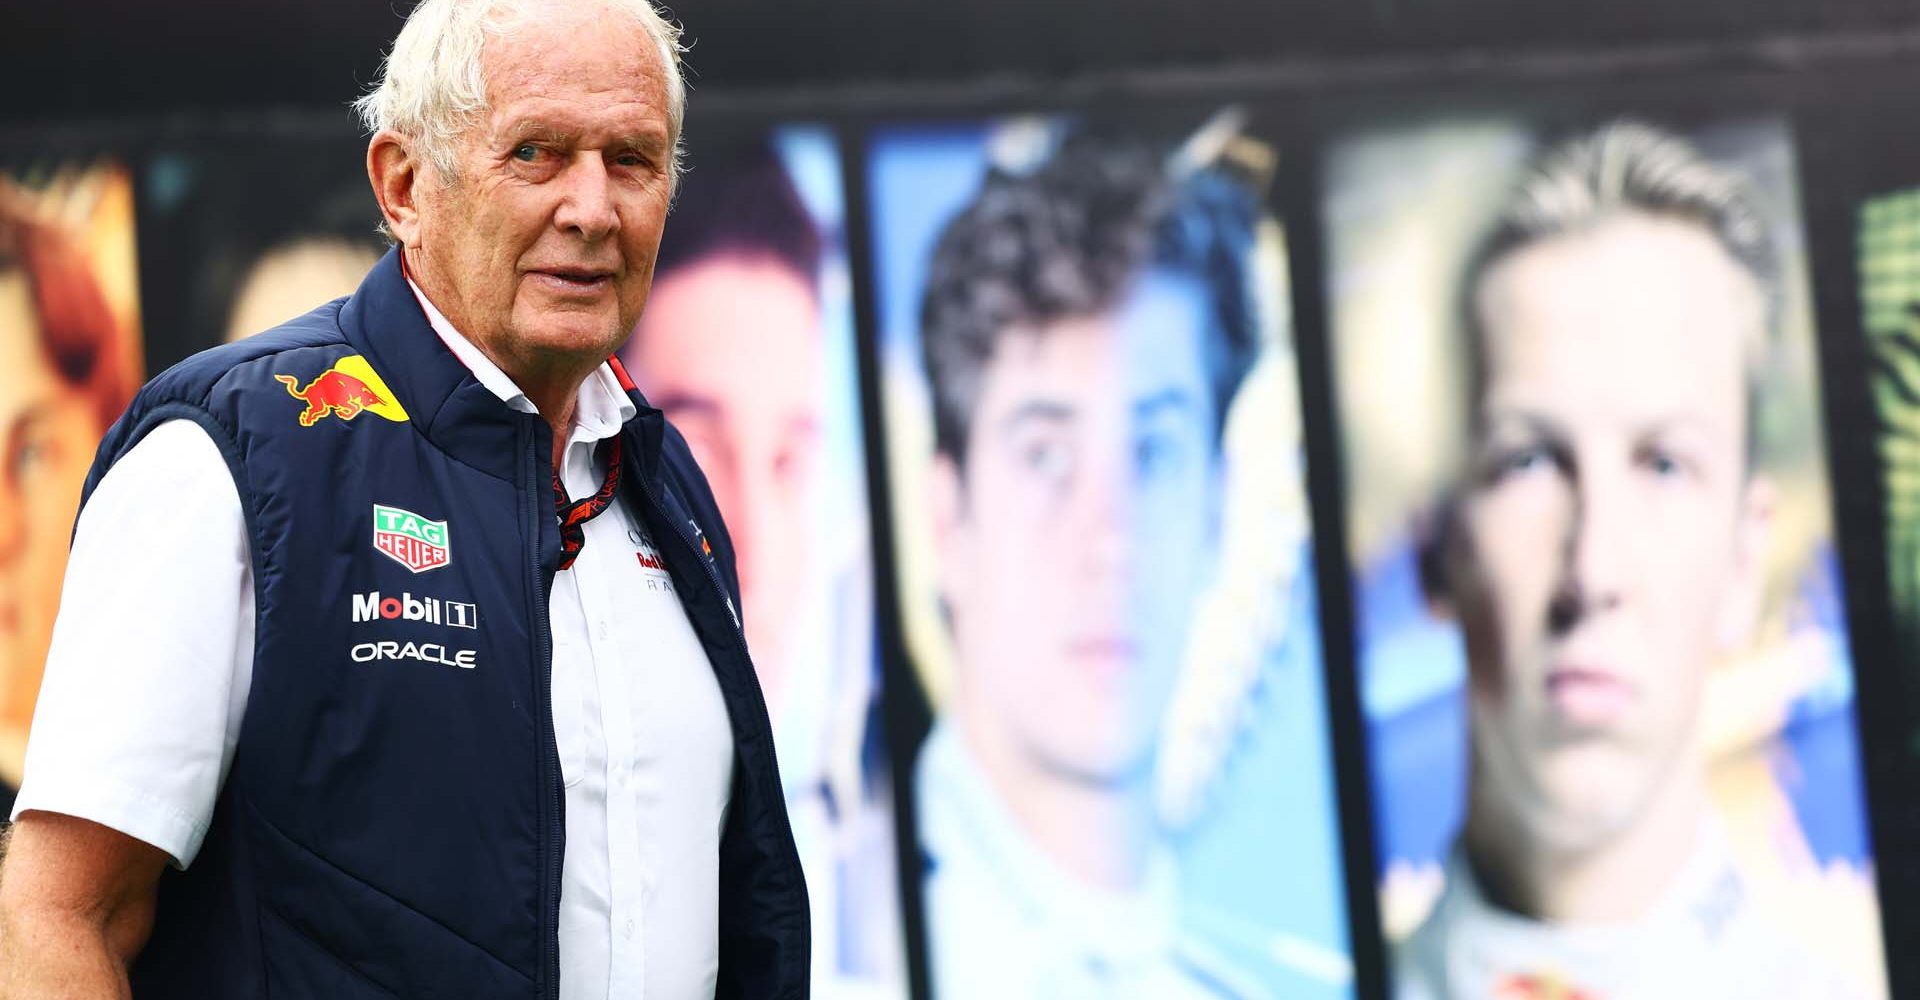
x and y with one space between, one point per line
116 58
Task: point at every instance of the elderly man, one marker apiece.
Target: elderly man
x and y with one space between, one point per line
1607 543
407 631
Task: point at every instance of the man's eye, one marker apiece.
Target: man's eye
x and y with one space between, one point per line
526 152
1663 464
1158 455
1520 461
1048 459
28 458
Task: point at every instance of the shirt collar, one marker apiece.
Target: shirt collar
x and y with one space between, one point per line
966 825
600 409
1703 895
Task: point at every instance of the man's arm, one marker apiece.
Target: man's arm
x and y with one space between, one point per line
76 905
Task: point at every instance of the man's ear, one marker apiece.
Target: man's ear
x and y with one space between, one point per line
396 174
1746 594
947 502
1434 531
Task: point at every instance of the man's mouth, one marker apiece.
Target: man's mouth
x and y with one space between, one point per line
574 279
1104 657
1588 697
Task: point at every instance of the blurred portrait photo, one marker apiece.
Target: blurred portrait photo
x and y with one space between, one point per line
1599 611
70 335
237 242
1111 574
747 346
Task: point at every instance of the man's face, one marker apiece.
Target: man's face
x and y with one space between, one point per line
1075 538
1610 536
49 431
730 348
544 242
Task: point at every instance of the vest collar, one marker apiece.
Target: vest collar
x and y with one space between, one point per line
448 405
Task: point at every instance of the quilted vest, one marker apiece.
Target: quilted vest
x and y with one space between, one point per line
393 822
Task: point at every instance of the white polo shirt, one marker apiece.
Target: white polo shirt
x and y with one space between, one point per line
148 674
1703 939
1006 921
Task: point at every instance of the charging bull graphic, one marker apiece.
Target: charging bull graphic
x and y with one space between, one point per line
348 389
1538 987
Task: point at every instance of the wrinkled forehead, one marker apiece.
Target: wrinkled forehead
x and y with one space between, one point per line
586 59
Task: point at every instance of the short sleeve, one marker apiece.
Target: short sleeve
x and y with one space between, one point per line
152 652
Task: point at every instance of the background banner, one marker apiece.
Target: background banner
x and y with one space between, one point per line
1598 604
1104 566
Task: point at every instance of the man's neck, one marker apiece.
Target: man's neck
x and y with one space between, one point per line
556 397
557 401
562 431
1617 880
553 389
1098 832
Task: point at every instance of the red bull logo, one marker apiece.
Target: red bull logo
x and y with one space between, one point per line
346 390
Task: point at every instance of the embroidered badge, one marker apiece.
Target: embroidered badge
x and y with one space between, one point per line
413 541
348 389
1542 986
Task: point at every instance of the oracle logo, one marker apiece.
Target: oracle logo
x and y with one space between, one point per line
424 652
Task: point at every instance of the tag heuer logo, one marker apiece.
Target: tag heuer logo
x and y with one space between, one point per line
411 540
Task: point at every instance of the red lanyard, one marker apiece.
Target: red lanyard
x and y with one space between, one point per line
575 515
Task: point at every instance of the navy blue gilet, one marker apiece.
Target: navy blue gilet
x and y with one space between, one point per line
393 822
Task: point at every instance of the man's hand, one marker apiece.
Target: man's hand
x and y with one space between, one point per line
76 905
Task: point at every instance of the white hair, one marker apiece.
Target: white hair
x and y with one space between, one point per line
432 88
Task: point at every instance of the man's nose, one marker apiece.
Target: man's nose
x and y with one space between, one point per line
13 533
1106 510
1598 543
586 200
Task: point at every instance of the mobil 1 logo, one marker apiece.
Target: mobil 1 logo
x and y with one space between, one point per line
373 606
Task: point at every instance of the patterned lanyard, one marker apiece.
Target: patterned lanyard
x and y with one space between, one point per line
575 515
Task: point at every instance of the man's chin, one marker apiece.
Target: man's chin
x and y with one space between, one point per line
588 333
1101 763
1577 819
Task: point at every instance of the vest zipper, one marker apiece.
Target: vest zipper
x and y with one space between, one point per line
555 801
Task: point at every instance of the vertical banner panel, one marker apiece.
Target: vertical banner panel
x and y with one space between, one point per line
747 345
70 359
1603 643
1104 562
